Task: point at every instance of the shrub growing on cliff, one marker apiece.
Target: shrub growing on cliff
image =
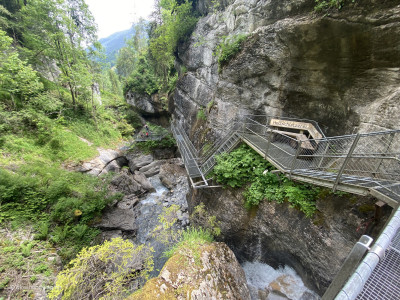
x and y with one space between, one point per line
239 167
104 271
228 48
243 166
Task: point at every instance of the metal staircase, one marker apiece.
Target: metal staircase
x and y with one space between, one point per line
367 163
228 145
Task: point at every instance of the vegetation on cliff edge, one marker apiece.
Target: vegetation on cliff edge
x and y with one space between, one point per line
245 166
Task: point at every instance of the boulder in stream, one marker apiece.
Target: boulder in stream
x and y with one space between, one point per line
209 271
118 219
171 173
143 181
126 184
137 162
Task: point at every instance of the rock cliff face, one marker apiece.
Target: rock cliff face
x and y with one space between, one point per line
278 234
342 70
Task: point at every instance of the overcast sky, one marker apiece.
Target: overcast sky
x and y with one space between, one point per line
117 15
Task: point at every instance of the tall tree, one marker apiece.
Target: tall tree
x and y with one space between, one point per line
59 31
177 22
128 55
17 78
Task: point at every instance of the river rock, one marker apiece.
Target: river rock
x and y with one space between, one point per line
170 174
111 167
109 235
164 153
118 219
282 286
107 161
128 202
137 162
209 271
143 181
126 184
152 169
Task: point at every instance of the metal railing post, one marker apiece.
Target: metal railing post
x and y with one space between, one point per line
324 152
346 160
348 267
386 150
294 159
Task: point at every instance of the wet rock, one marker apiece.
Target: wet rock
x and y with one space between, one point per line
282 286
171 173
128 202
152 169
216 274
279 234
137 162
309 296
143 181
127 185
109 235
118 219
164 153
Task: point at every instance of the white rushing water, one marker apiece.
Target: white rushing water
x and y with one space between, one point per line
275 282
160 190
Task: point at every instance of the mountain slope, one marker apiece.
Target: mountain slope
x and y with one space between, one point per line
114 42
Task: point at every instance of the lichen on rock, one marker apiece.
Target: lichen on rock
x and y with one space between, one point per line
210 271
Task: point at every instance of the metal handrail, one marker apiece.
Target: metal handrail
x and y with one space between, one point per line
344 161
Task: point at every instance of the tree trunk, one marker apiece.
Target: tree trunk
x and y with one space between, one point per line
72 95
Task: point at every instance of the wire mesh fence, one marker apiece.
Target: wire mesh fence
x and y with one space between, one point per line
371 158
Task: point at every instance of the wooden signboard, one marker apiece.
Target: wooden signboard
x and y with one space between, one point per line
297 125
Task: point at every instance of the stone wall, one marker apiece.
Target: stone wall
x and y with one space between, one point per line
279 234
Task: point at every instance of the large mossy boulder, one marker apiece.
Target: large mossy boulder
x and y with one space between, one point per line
207 271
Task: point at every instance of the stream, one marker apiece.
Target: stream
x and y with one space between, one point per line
264 282
150 208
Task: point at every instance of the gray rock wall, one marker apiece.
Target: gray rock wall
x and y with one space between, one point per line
342 69
278 234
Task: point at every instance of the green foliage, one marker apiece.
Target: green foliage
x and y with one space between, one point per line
4 13
228 48
208 221
239 167
201 115
330 4
135 47
191 239
101 271
176 24
16 77
23 263
142 80
167 141
60 31
166 232
51 196
244 165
